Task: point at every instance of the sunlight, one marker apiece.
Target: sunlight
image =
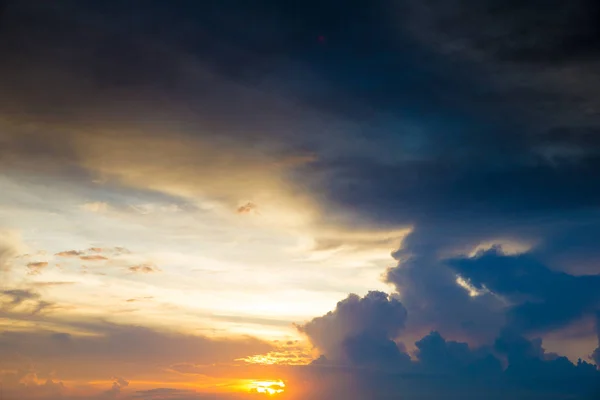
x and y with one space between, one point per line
267 387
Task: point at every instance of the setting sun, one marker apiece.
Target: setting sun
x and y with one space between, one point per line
267 387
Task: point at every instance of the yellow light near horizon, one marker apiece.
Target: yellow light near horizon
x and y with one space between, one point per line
267 387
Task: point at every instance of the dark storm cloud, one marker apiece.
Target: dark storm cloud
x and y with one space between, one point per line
429 290
535 31
514 367
540 298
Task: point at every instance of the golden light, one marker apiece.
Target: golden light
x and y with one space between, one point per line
267 387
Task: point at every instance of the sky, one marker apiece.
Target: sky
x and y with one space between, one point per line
324 200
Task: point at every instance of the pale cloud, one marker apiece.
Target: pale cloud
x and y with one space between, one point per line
121 350
246 208
10 247
36 268
53 283
68 253
23 301
96 207
143 268
93 257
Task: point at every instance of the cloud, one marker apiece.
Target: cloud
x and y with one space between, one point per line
24 300
19 296
434 299
541 299
164 393
246 208
435 354
596 355
498 141
96 207
52 283
26 383
545 52
114 391
512 367
69 253
9 248
360 330
93 257
81 348
143 268
35 268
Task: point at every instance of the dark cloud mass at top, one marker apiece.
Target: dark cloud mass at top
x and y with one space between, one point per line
475 122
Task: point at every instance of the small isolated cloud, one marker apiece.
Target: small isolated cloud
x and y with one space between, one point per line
93 257
96 207
144 268
139 299
69 253
55 283
35 268
113 392
247 208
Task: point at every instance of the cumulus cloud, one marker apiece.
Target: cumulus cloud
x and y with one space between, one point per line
436 354
26 383
511 367
360 330
429 290
116 388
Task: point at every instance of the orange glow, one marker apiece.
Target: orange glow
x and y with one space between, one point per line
295 356
267 387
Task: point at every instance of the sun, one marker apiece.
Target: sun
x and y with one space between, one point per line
267 387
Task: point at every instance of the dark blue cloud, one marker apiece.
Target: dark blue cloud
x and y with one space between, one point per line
540 298
596 354
514 367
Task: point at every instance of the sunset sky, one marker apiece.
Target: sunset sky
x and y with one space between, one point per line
324 200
